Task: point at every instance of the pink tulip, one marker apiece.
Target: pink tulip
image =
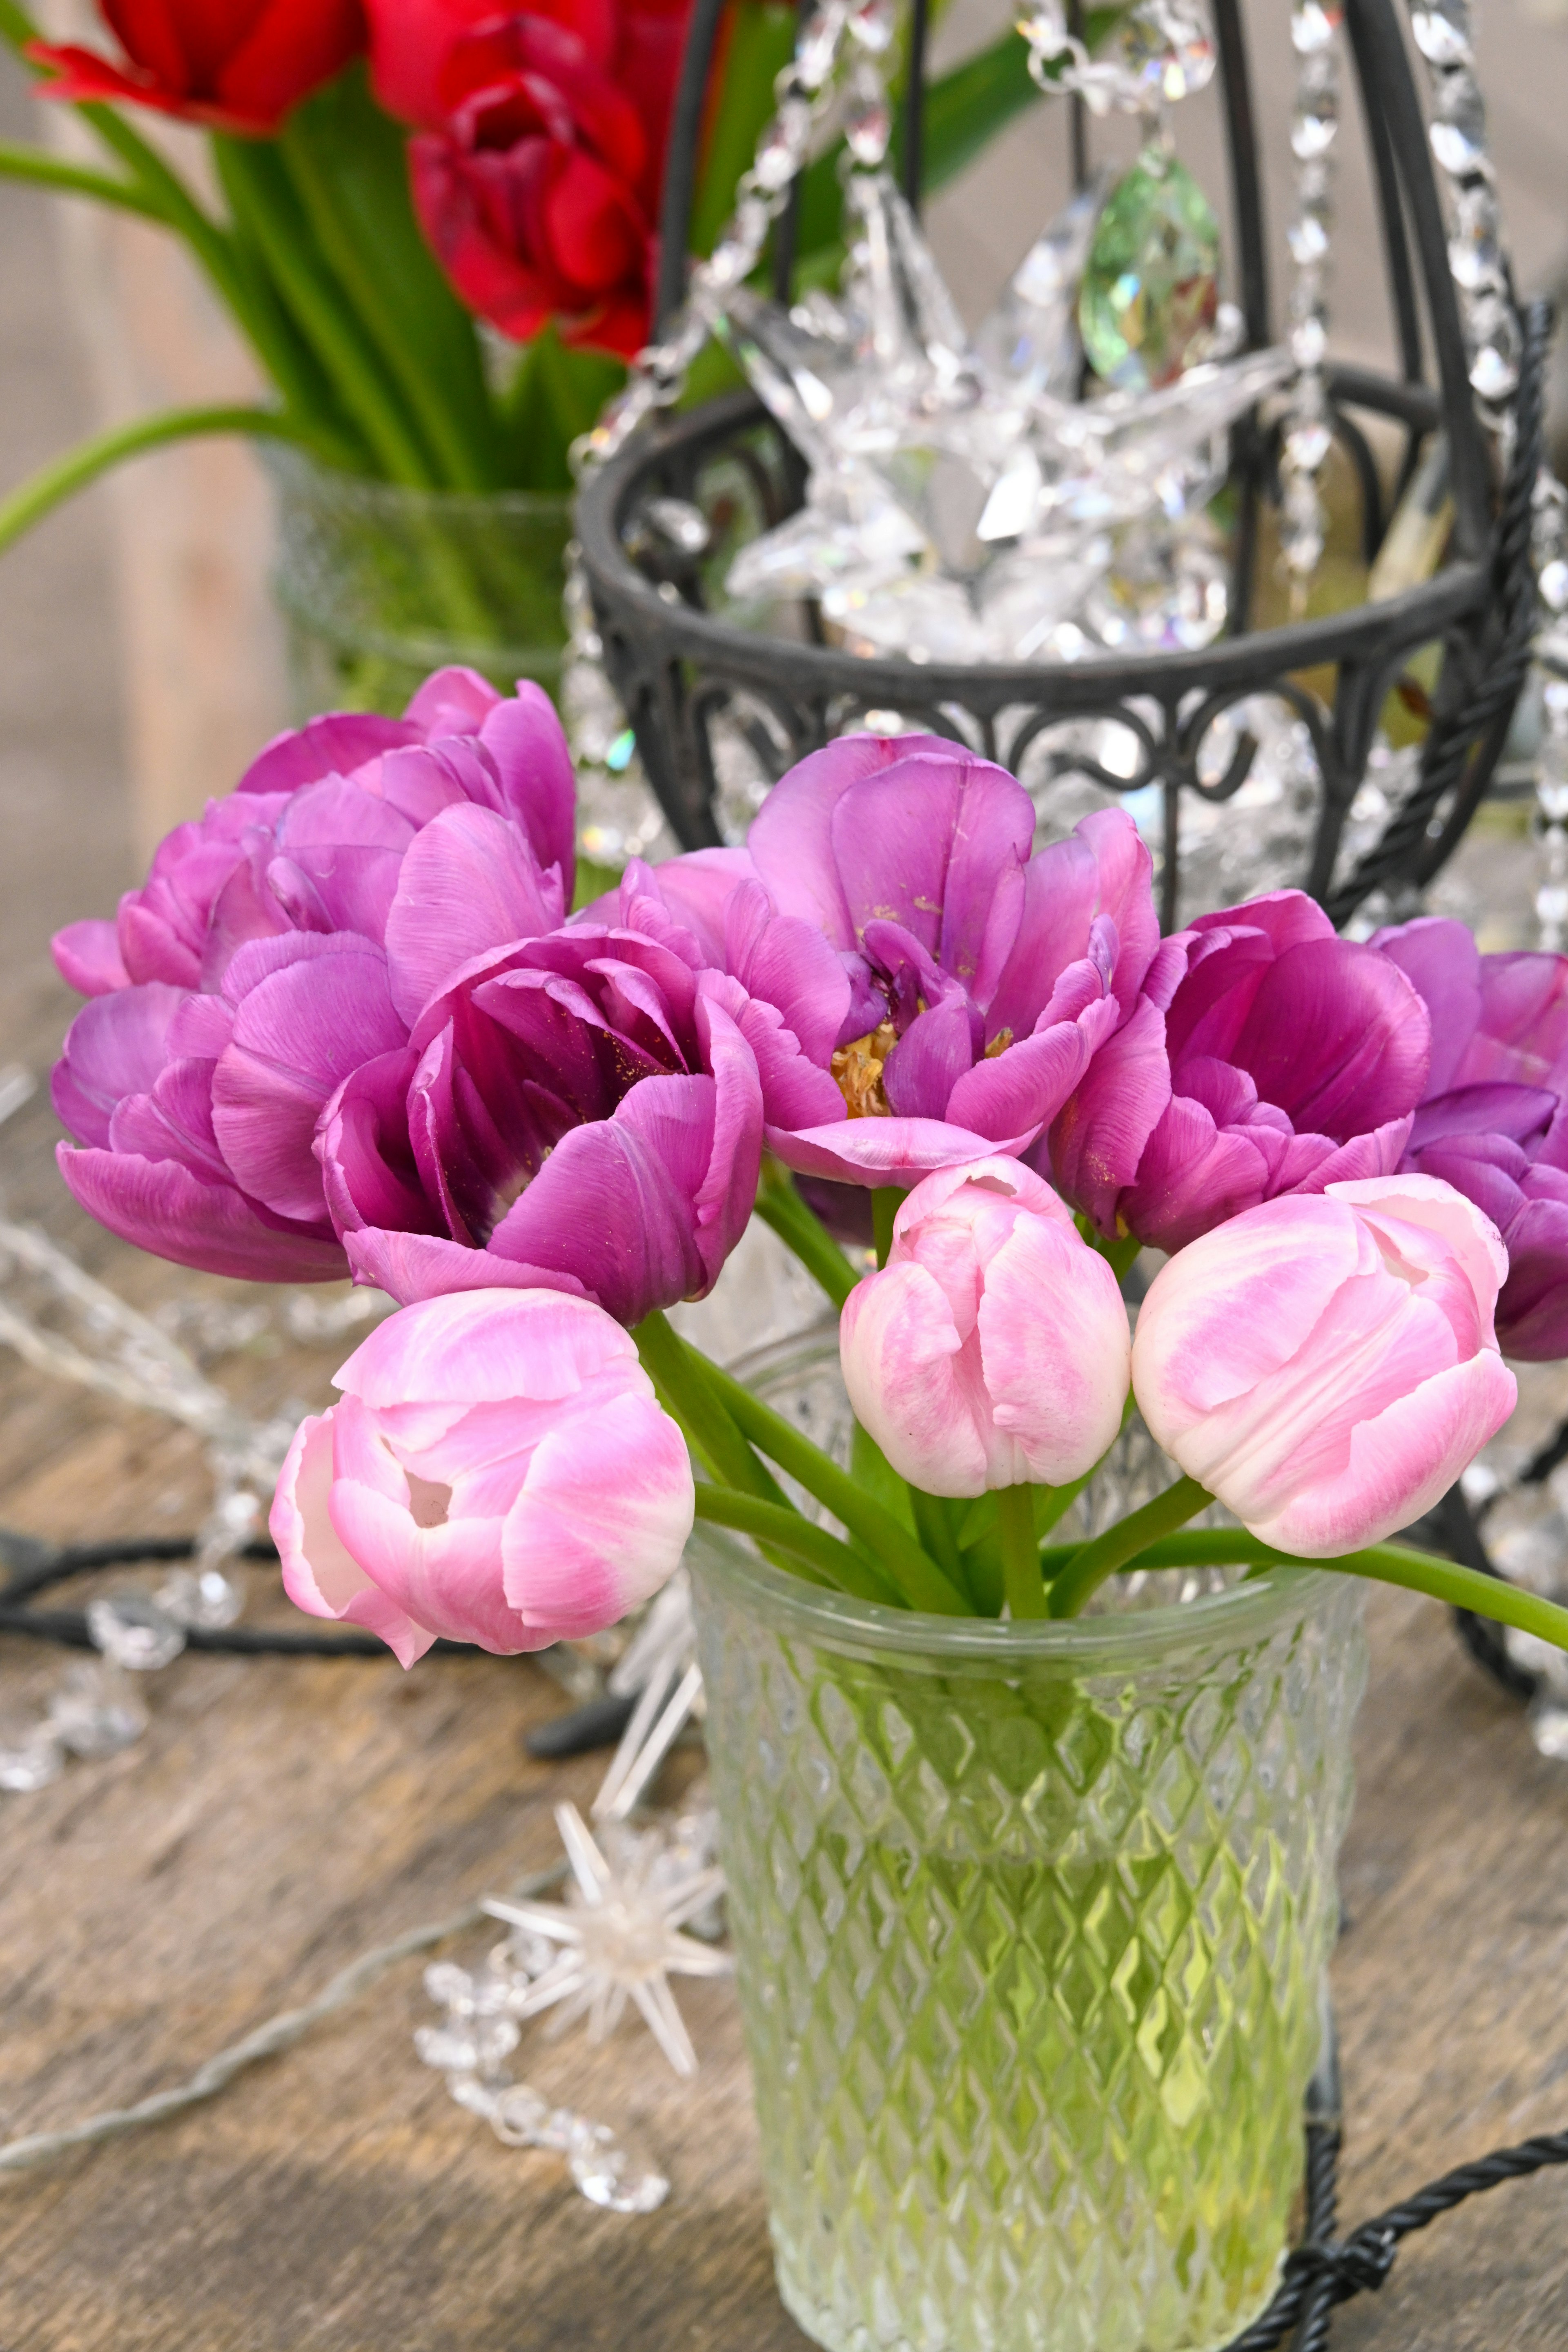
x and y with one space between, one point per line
991 1349
498 1472
1326 1365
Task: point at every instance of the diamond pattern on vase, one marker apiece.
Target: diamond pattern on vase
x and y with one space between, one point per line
1031 1961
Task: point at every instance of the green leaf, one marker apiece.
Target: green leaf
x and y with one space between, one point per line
348 162
761 43
556 394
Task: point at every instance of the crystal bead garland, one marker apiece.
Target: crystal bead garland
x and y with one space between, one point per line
1150 281
1457 131
1309 433
624 818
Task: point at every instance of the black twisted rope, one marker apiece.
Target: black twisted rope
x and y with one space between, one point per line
1325 2272
34 1567
1461 735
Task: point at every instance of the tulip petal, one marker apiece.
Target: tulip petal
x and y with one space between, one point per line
88 959
321 1575
161 1207
468 885
602 1519
913 1384
884 1150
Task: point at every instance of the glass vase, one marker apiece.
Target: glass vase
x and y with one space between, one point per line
1032 1924
379 585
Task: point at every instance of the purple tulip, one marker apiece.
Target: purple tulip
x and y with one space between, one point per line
1493 1122
942 990
579 1113
293 932
1267 1057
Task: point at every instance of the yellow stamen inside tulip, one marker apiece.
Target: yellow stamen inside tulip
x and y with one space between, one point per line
857 1071
999 1043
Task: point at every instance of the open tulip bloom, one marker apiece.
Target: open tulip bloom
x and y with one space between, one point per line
347 1025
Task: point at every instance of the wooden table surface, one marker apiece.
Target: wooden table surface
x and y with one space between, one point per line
279 1818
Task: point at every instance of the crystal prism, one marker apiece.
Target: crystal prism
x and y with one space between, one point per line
1442 31
131 1630
1151 285
1031 338
97 1710
1459 128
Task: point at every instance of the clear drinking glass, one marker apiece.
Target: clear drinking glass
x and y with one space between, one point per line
379 585
1032 1925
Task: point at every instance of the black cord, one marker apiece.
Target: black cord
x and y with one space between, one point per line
1325 2272
35 1566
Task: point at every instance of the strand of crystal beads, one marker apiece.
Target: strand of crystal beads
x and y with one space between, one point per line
1458 133
805 92
1308 431
1548 547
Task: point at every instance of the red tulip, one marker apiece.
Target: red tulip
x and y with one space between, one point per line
540 153
239 65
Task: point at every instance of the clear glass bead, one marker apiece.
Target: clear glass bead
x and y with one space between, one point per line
1553 585
817 47
1442 31
97 1710
873 26
203 1597
1475 246
608 2177
1309 237
1314 23
477 2046
1459 127
1497 347
30 1757
868 127
1165 53
782 148
131 1630
1316 120
1307 444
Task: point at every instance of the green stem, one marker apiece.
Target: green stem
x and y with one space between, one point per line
1120 1254
1020 1553
1094 1561
780 1206
887 1200
265 204
917 1575
811 1549
18 162
1461 1587
707 1423
33 498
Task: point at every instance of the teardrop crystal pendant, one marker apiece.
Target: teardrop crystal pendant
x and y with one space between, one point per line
1150 286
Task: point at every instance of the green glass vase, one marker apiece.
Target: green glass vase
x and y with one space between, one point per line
1032 1925
379 585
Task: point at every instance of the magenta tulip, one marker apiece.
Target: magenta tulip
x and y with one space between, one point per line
1493 1121
1327 1365
941 990
292 933
1266 1056
496 1472
991 1349
581 1112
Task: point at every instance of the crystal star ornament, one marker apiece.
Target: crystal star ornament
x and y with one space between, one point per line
963 505
620 1938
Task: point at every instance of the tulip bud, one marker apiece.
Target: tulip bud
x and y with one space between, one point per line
991 1349
1327 1365
496 1472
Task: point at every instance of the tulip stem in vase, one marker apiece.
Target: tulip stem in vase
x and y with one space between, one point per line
1021 1553
780 1206
708 1429
812 1552
1093 1562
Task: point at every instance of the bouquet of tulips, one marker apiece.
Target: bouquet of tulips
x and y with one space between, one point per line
437 219
347 1025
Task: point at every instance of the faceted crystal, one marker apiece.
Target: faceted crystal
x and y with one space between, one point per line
608 2176
97 1710
1475 249
1442 30
1151 283
1166 589
474 2047
1313 25
1165 53
1459 128
204 1597
30 1757
1031 337
131 1630
1497 347
1316 120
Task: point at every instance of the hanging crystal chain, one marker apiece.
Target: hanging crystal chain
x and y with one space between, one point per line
1308 424
805 92
1458 133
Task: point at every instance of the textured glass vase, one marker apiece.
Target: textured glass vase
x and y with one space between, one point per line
379 585
1032 1926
